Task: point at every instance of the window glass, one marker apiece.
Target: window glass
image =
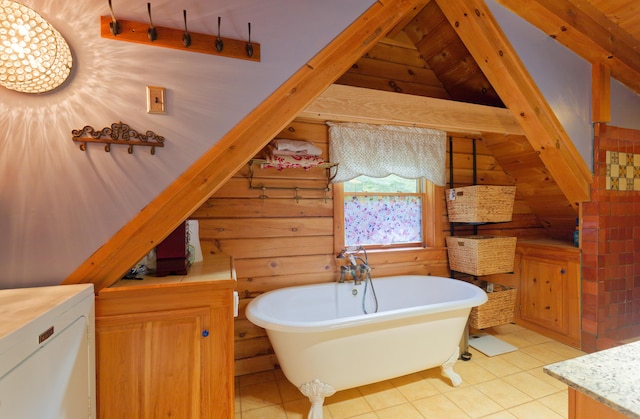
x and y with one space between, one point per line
386 211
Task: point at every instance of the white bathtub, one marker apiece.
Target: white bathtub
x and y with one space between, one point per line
324 343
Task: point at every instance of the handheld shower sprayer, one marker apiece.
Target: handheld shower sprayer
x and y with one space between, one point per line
349 251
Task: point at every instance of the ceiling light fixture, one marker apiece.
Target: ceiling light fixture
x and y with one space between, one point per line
34 57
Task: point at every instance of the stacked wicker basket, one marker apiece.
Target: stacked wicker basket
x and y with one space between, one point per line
484 255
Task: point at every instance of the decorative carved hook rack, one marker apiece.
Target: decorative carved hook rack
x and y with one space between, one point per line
296 189
182 39
118 133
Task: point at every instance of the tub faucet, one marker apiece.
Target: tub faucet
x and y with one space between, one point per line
351 270
357 270
350 251
356 273
343 271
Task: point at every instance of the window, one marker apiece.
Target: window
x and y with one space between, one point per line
390 212
387 212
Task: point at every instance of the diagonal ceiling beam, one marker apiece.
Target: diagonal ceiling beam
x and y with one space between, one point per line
227 156
586 31
491 49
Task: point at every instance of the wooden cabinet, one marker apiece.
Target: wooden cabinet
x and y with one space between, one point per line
544 292
165 349
582 406
549 289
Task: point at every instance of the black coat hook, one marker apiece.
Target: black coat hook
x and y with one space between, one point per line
186 38
219 43
151 32
114 26
249 46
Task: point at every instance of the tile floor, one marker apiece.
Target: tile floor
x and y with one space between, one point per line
511 385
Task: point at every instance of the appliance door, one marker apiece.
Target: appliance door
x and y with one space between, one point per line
53 381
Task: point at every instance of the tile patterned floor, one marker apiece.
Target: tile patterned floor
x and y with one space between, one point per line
511 385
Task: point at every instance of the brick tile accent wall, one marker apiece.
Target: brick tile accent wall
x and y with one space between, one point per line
611 242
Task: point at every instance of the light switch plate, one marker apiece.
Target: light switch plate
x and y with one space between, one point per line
156 100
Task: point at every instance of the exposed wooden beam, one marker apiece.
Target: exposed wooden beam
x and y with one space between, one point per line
491 49
582 28
600 93
231 152
355 104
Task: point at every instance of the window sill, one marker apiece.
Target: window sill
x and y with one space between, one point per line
404 254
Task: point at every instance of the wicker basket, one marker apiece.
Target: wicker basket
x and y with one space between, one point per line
480 204
499 308
481 255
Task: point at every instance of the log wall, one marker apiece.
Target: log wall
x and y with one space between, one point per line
278 240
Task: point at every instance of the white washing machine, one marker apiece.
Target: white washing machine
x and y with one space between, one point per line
47 353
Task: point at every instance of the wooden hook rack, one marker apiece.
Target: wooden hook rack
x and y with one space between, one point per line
131 31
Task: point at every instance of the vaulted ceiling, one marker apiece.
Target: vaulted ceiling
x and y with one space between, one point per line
424 55
446 49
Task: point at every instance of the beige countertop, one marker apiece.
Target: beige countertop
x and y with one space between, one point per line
214 268
611 376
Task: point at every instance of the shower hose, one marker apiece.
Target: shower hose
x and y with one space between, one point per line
367 281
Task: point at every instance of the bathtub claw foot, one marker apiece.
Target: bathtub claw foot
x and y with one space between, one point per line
447 369
316 391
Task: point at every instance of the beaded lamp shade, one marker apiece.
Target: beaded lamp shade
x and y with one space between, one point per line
34 57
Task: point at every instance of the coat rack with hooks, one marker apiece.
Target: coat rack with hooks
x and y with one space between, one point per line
328 166
182 39
117 133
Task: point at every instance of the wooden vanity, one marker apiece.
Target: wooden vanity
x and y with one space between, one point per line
164 345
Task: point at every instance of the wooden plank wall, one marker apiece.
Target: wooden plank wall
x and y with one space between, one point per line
279 241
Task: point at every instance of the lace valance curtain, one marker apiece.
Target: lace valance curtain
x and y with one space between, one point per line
381 150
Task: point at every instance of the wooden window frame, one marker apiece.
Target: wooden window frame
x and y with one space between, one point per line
432 207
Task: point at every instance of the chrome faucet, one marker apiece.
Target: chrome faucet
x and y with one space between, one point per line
357 271
343 271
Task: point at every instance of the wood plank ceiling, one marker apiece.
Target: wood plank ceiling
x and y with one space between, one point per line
424 55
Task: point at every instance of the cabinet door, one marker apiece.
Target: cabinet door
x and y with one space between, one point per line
154 365
543 297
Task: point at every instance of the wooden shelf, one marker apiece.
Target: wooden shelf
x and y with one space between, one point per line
325 165
131 31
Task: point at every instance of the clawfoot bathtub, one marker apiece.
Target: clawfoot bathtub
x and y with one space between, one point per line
324 343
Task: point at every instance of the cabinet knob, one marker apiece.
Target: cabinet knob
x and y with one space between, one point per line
562 271
205 333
